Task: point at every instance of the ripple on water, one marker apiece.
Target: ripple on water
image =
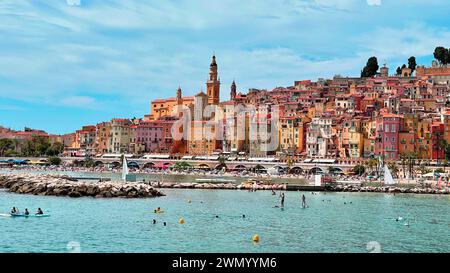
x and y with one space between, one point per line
125 225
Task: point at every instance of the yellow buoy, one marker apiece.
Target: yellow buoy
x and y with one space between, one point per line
181 221
255 238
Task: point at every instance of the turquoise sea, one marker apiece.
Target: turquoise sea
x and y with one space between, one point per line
334 222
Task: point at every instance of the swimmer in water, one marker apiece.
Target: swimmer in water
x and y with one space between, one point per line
154 221
282 200
165 224
243 215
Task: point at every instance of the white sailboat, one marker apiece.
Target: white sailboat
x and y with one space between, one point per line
388 179
124 169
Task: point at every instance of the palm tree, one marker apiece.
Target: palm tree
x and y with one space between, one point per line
222 163
392 165
444 163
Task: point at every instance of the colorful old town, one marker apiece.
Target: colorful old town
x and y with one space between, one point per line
389 115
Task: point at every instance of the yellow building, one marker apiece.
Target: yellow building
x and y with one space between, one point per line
292 133
423 147
167 107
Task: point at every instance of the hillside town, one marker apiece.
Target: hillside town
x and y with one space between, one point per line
380 114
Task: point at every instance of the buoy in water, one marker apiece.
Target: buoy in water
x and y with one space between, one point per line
255 238
181 221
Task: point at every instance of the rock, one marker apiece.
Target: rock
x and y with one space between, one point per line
74 194
62 186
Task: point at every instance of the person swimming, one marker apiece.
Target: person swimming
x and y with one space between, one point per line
282 200
27 212
14 210
165 224
243 215
154 221
39 211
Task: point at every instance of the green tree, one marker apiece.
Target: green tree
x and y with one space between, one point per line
359 169
54 160
371 67
182 165
441 54
6 145
412 63
55 149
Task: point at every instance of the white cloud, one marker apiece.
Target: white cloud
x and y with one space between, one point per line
80 102
374 2
73 2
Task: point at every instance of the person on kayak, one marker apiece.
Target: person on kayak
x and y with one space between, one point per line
39 211
27 212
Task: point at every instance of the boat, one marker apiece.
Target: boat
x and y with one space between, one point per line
388 179
124 169
29 215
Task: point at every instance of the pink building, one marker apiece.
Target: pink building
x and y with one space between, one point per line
388 127
150 134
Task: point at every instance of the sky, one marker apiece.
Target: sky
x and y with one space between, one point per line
69 63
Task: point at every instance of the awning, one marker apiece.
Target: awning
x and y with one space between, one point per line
156 156
187 157
265 159
307 160
232 158
324 161
207 157
202 167
116 155
162 165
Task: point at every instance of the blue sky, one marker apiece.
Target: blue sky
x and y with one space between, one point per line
67 63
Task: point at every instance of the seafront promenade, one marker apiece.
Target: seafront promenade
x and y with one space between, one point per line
307 166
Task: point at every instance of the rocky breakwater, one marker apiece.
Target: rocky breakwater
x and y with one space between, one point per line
218 186
60 185
416 190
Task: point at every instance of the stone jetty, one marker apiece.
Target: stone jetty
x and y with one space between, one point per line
278 187
414 190
61 185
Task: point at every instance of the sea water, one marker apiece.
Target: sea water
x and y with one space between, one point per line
332 222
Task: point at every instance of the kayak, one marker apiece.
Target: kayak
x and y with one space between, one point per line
29 215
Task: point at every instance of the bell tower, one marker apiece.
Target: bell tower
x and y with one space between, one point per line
213 83
233 91
179 96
